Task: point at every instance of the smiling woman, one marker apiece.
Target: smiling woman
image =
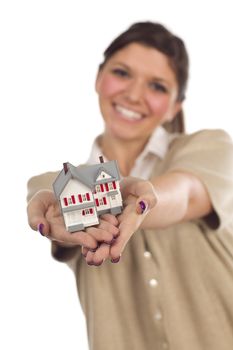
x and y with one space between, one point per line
175 232
135 98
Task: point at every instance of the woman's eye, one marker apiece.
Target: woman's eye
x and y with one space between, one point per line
120 72
158 87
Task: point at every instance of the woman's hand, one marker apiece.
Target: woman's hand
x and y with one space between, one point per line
109 223
44 215
139 198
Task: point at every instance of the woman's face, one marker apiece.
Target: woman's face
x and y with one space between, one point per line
137 92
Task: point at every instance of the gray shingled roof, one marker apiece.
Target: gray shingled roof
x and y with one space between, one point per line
86 174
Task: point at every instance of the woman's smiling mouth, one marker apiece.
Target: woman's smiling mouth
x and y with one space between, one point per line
128 114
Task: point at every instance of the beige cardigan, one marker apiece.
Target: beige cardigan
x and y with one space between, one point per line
173 288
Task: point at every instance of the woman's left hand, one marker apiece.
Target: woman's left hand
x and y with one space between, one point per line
139 198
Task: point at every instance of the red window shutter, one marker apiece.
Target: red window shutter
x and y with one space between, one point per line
104 199
83 212
88 196
97 202
91 210
106 186
65 201
114 184
80 198
102 187
73 199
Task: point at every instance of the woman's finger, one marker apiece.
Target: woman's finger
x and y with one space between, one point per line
99 256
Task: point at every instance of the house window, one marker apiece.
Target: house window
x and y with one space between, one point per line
113 197
102 201
110 185
98 189
87 211
69 200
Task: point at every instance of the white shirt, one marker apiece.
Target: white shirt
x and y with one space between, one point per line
156 147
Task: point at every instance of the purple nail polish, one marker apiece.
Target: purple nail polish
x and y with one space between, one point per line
40 228
116 260
143 206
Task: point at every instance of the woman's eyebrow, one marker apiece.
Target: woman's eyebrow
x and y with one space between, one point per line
121 64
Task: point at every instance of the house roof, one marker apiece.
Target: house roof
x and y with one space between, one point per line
86 174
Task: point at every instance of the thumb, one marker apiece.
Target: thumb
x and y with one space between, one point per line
146 203
40 224
36 210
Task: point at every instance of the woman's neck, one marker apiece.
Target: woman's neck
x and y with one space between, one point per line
124 151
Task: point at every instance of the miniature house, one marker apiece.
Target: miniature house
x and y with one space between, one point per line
86 192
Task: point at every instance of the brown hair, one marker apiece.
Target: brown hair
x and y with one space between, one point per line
157 36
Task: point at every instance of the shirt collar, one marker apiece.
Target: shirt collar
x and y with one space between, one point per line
157 145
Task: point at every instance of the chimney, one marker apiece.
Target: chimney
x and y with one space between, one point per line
101 158
65 167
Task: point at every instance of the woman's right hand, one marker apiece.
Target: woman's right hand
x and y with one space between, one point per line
44 216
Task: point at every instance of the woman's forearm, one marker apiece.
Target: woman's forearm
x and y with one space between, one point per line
181 196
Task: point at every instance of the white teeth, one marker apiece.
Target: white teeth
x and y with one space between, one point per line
127 113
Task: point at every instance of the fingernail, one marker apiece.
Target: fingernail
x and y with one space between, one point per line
93 250
116 260
142 207
109 243
40 228
90 263
99 263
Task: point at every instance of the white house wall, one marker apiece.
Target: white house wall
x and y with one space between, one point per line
74 187
74 216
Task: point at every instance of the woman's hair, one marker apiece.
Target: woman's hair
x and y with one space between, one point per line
157 36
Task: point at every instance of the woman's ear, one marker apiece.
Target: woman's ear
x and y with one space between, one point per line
176 109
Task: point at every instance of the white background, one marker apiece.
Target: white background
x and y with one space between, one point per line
49 53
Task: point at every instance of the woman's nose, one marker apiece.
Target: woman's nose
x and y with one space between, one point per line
135 91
